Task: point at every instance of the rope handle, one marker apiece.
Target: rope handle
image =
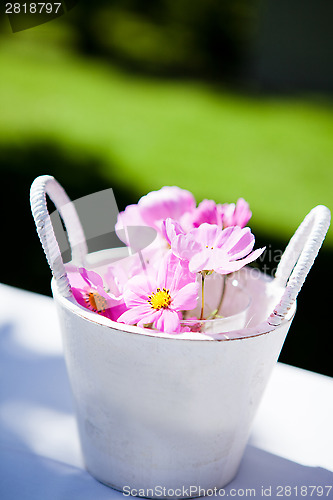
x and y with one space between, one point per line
298 258
47 185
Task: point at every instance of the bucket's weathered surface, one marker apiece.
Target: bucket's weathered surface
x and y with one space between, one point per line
163 412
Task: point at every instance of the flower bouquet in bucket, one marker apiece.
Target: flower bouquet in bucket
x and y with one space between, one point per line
163 288
169 345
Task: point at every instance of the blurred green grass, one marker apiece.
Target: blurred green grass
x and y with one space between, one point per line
275 152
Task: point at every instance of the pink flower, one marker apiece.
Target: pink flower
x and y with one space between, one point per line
133 230
183 245
236 215
226 215
130 217
159 299
115 278
171 202
207 211
209 248
157 206
88 291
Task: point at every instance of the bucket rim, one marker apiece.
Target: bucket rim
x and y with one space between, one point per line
262 328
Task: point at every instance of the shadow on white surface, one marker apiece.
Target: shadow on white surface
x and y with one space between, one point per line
26 476
260 469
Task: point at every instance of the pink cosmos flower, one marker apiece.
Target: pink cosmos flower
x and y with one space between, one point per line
226 215
182 244
170 201
88 291
159 299
130 217
209 248
156 206
207 211
236 215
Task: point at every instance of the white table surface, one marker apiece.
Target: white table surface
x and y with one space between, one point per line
291 443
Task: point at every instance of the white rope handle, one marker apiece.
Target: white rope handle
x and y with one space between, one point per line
41 186
298 258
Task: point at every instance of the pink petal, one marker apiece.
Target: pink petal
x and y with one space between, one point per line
138 289
151 317
228 210
227 238
186 221
134 315
232 266
115 311
76 280
206 234
208 212
253 255
185 246
242 212
130 217
79 295
182 245
186 298
80 277
182 277
243 246
168 321
115 278
169 201
91 277
217 258
170 229
133 230
167 270
173 273
200 261
100 290
236 215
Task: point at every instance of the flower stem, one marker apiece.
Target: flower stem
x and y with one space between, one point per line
221 298
202 294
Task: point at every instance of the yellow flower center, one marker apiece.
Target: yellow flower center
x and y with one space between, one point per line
96 302
160 299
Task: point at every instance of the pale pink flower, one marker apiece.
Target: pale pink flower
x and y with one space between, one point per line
209 248
207 211
226 215
88 290
130 217
237 214
170 201
158 300
134 231
156 206
115 278
182 244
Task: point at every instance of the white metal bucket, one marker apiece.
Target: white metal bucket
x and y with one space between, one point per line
161 411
